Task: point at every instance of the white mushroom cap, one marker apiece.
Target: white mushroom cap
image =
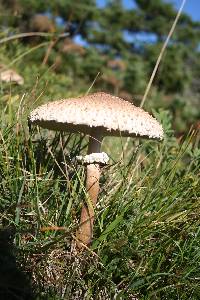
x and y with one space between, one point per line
11 76
109 114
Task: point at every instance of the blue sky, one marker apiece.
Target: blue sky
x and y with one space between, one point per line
192 7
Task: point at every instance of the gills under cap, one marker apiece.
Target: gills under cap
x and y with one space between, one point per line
109 114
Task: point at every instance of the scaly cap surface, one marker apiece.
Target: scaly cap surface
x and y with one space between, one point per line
110 114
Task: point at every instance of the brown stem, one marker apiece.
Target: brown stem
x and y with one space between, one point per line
85 231
48 51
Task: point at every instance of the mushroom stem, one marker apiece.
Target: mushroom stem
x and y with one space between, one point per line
95 141
85 231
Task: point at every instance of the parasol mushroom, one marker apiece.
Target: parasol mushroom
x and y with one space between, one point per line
9 75
98 115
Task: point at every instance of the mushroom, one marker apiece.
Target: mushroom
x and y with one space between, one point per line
9 75
98 115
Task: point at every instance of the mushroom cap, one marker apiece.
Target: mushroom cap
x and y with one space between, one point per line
108 114
10 75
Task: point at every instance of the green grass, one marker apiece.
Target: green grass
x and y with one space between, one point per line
146 233
146 236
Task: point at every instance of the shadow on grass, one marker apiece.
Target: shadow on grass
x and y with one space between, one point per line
14 284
